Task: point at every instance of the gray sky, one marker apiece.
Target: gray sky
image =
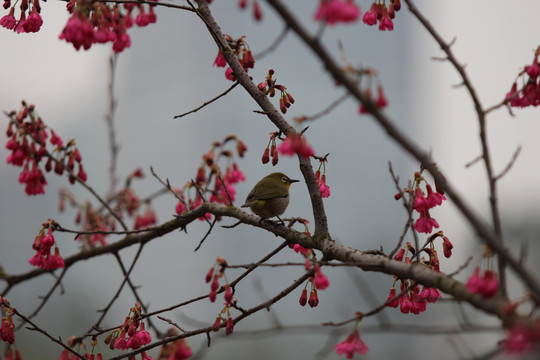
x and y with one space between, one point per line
168 70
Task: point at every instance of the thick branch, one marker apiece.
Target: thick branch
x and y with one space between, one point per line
480 226
321 225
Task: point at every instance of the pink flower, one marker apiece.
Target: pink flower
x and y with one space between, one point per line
353 344
248 62
234 176
434 198
323 187
418 303
56 140
142 337
392 295
303 298
296 144
9 20
229 75
313 298
381 101
54 261
420 202
518 340
19 28
370 17
7 330
120 343
34 21
220 60
447 247
183 351
180 208
486 284
386 22
431 295
122 41
79 32
321 281
145 220
399 255
405 304
334 11
425 223
145 356
229 328
228 294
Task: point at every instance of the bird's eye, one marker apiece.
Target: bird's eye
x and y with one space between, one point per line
284 179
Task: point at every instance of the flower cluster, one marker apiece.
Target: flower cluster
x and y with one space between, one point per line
351 345
146 219
99 23
485 283
229 323
257 11
27 24
382 14
296 144
132 333
337 11
242 52
177 350
216 272
317 282
321 179
223 190
422 204
27 135
269 87
43 244
411 299
7 327
521 339
528 93
270 150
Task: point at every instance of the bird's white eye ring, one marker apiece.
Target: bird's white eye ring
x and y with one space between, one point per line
284 179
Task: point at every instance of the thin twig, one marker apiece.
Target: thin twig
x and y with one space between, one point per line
207 102
40 330
510 164
152 2
113 145
278 40
325 111
207 233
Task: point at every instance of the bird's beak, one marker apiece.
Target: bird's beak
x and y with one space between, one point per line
293 181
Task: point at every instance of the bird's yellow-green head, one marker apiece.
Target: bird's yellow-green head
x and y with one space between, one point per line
270 196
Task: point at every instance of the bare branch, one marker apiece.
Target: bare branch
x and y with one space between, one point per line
207 102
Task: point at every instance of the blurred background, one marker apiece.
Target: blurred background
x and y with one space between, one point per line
168 70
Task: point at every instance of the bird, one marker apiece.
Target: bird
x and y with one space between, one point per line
270 196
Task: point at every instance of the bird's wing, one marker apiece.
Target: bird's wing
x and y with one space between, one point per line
266 193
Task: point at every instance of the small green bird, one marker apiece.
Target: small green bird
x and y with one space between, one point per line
270 196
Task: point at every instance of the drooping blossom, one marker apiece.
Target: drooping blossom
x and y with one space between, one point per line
353 344
321 281
486 283
337 11
296 144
